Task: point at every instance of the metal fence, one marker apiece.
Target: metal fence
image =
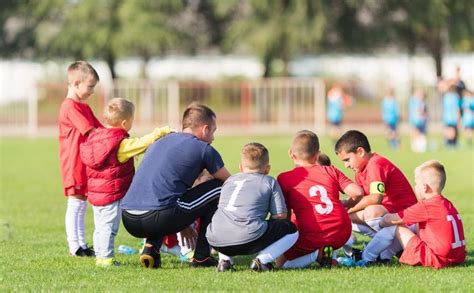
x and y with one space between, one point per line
260 106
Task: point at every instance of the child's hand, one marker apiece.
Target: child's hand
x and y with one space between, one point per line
189 237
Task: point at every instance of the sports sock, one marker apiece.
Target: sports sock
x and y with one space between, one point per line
350 242
364 229
225 257
276 249
81 214
73 205
393 249
381 241
374 223
302 261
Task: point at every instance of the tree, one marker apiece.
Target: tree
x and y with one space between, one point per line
278 29
147 29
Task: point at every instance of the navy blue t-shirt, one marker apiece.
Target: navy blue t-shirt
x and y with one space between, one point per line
169 168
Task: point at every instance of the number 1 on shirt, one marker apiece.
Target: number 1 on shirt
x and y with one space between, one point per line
233 197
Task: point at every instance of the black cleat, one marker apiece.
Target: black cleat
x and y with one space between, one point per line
258 266
354 253
326 257
203 263
150 257
88 252
225 266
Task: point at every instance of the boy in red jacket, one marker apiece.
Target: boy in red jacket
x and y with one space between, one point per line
106 154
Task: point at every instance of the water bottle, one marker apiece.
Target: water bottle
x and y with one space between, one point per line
127 250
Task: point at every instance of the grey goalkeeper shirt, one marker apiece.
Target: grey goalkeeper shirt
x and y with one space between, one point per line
245 201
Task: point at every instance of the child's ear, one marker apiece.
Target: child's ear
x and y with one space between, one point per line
360 151
267 169
291 154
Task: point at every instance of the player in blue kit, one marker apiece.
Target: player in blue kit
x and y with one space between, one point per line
391 117
451 115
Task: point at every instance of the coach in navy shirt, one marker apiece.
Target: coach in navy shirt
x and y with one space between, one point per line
161 199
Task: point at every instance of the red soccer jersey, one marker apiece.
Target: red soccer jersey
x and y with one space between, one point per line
312 193
440 228
75 120
383 177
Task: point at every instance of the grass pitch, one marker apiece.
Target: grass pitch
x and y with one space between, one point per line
33 253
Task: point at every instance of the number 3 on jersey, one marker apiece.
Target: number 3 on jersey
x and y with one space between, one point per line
318 190
233 197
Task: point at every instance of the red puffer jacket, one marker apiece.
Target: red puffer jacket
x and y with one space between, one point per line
108 179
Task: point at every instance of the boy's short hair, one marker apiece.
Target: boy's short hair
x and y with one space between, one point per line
196 115
434 174
324 160
81 70
255 156
305 144
351 141
117 110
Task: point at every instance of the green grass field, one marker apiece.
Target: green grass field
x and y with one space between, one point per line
33 253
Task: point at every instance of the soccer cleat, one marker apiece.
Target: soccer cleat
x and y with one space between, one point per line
326 257
258 266
88 252
106 262
346 261
354 253
363 263
225 266
203 263
150 257
384 262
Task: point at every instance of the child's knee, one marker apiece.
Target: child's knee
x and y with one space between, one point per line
374 211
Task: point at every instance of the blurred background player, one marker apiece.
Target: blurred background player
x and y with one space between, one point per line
76 121
468 116
451 115
108 154
418 117
438 240
311 193
386 189
391 117
337 100
239 226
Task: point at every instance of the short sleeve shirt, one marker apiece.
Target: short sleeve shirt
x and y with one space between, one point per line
168 169
245 201
440 227
75 120
380 176
312 193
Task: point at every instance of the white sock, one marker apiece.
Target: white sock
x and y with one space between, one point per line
225 257
276 249
73 205
364 229
81 214
302 261
381 241
374 223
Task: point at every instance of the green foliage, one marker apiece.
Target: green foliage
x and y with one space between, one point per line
34 256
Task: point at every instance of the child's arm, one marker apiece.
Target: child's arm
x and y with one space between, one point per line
130 147
366 201
390 220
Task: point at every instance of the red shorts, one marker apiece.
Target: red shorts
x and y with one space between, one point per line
76 190
307 244
418 253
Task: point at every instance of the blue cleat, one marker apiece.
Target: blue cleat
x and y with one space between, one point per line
346 261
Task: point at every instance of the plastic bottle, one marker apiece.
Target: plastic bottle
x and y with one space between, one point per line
125 249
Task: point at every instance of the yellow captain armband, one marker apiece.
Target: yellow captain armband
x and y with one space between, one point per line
377 187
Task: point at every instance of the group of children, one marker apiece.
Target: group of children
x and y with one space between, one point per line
307 221
457 109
